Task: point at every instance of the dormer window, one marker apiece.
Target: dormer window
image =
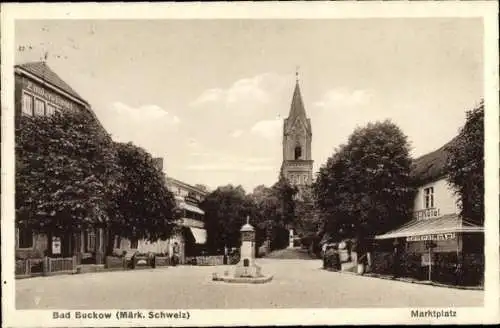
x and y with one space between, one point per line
429 197
298 152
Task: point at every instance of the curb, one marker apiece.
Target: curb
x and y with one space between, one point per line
411 281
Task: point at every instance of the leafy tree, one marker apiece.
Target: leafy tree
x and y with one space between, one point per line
286 195
65 173
465 165
307 221
143 208
364 188
226 209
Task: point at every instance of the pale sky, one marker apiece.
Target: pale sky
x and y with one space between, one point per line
209 96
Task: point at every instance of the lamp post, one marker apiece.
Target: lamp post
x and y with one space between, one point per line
429 244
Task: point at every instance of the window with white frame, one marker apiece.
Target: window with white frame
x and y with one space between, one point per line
39 107
429 197
90 241
50 110
27 106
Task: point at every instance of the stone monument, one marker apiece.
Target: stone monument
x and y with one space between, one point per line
246 271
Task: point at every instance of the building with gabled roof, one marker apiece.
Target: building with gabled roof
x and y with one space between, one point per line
437 235
40 91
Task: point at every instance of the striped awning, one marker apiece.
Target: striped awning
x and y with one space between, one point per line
451 223
200 235
191 208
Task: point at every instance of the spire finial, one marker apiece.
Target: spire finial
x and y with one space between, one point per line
297 73
248 219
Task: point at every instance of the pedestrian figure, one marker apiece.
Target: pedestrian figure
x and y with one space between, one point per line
336 258
175 255
397 263
226 255
459 274
330 257
324 249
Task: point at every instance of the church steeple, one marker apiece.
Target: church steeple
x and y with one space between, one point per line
297 109
297 138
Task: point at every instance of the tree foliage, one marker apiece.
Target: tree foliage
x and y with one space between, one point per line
270 210
65 172
465 165
307 221
226 209
364 188
144 207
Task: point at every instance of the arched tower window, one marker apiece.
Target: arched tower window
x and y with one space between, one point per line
298 152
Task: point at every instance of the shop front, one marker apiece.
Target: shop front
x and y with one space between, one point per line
446 249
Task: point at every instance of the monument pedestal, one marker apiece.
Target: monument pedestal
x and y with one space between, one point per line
246 271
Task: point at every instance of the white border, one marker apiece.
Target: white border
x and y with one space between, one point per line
486 9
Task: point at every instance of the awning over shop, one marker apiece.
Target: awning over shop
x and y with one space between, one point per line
191 208
451 223
200 235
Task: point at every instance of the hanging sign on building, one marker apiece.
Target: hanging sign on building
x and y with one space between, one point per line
426 214
187 222
433 237
48 95
56 245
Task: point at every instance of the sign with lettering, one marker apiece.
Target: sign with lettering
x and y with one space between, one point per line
433 237
49 95
187 222
191 199
248 236
56 245
426 214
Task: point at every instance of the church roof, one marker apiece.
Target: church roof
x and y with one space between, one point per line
44 72
297 109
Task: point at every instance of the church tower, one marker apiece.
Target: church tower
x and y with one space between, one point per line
297 163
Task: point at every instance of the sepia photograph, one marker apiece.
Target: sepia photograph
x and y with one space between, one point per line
174 164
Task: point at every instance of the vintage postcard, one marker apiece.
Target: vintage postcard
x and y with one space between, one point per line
229 164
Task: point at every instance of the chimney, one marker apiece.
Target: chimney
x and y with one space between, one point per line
158 162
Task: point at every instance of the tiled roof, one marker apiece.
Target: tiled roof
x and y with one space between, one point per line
431 166
451 223
44 72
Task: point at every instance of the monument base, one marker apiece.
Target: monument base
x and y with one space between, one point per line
251 274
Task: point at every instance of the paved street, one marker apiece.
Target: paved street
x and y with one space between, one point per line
297 283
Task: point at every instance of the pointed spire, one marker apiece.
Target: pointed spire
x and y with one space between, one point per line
297 107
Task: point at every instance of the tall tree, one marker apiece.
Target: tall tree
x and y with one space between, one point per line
465 165
65 173
144 207
307 221
226 209
364 188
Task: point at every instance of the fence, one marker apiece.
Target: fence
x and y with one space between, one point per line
61 265
29 267
205 260
32 267
444 267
